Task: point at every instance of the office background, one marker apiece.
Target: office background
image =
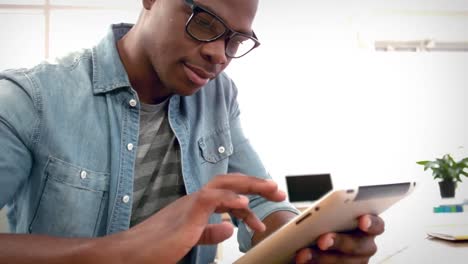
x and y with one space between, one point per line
359 89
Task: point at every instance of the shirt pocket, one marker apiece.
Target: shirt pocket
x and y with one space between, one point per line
216 146
72 201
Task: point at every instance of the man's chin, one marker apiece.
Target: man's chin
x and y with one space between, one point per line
188 90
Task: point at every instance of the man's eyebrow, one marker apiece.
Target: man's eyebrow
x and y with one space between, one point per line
248 33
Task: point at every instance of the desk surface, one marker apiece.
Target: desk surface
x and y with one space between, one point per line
428 251
405 239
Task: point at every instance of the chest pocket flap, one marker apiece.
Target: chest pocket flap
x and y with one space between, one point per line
72 201
217 145
77 177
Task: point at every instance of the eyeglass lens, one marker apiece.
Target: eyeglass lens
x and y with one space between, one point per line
206 27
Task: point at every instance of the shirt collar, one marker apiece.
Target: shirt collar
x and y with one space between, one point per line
108 71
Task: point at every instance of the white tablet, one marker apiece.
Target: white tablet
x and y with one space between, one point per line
335 212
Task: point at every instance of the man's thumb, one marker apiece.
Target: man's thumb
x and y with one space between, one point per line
216 233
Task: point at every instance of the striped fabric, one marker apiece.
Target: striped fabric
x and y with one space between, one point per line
158 174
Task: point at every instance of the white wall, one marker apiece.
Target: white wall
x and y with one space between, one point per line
315 101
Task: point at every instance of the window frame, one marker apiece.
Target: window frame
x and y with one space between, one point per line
47 7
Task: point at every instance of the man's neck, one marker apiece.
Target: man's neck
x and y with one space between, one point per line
140 71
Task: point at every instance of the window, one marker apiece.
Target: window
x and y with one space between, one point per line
41 29
415 25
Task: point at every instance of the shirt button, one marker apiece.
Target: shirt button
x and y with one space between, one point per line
83 174
130 146
221 149
126 199
132 102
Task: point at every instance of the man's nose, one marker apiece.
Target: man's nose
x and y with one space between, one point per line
215 52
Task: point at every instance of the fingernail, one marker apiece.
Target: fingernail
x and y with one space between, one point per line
329 243
270 181
308 256
242 198
367 223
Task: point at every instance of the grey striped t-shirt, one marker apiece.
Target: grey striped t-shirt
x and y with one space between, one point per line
158 176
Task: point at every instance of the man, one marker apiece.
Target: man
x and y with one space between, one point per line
123 153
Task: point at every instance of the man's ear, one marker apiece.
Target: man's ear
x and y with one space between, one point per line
147 4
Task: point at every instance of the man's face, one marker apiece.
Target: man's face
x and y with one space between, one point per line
183 64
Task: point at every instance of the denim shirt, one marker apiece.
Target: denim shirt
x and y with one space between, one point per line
68 138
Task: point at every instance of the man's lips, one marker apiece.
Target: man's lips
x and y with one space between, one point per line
198 75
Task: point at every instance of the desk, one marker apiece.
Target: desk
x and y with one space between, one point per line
405 239
428 251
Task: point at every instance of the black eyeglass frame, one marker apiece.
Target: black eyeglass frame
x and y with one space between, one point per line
228 31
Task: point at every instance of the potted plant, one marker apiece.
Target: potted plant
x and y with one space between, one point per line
448 171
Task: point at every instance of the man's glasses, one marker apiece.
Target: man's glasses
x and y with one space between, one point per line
205 26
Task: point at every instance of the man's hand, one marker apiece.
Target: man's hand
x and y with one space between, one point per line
165 237
351 247
168 236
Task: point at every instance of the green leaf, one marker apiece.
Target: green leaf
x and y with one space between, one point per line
450 160
431 164
442 163
464 173
464 162
452 173
423 162
436 174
